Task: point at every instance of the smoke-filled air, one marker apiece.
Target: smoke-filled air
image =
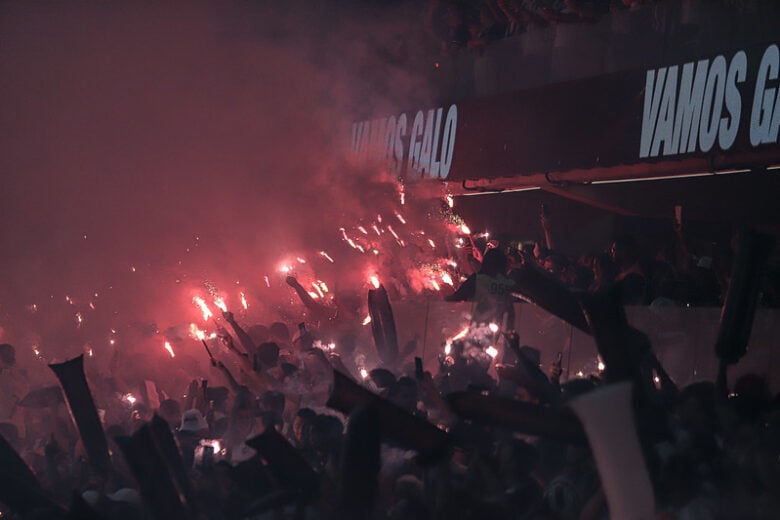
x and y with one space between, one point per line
163 161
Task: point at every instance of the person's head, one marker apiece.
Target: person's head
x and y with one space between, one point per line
326 434
302 419
170 411
7 356
279 332
382 378
193 424
268 354
404 394
244 406
494 263
258 333
624 251
273 402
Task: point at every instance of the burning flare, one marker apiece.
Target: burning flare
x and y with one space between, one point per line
203 308
196 333
374 280
169 348
220 302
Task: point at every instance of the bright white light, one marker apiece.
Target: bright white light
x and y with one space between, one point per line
491 351
364 373
493 328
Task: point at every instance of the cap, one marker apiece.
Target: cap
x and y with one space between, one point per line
193 421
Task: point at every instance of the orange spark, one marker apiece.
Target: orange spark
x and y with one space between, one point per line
390 229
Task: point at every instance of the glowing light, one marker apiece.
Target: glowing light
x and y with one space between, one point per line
285 269
400 218
436 285
267 281
580 374
332 346
364 373
317 288
657 379
360 248
446 278
433 245
89 351
366 320
132 269
390 229
313 294
33 308
203 308
362 230
461 334
491 351
111 342
79 318
376 230
447 348
92 306
465 229
601 366
375 251
374 280
450 201
300 260
196 333
379 218
220 302
343 233
214 443
493 328
351 243
326 256
35 349
169 348
129 398
243 301
322 285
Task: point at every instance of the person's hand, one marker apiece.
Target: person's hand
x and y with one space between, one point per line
555 371
228 316
291 281
193 388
